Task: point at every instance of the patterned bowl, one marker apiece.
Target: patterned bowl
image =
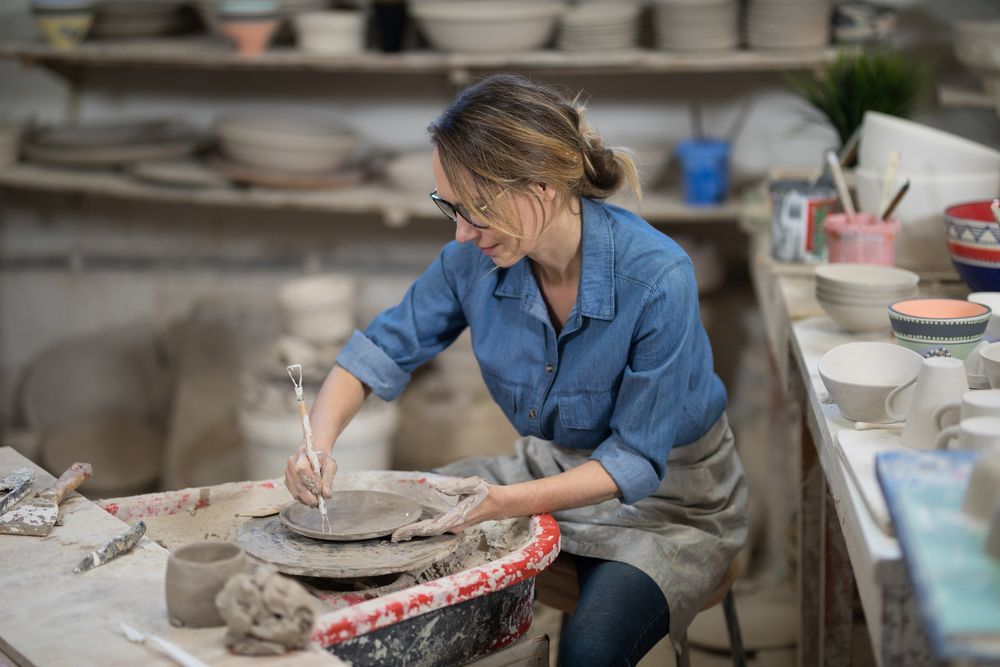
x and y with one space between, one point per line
974 244
945 327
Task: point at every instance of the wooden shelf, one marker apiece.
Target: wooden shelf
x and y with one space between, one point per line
952 96
206 53
396 208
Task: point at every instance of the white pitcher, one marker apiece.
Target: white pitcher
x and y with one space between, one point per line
940 381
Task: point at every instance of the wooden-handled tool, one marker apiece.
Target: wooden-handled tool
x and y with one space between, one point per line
37 514
308 434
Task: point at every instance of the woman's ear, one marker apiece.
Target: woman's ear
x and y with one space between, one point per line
547 193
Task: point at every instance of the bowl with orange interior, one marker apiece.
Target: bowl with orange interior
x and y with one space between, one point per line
939 327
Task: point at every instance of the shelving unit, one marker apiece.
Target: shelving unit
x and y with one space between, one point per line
395 207
952 96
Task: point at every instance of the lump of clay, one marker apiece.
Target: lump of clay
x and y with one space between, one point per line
265 613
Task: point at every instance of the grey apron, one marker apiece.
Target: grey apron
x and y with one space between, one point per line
684 536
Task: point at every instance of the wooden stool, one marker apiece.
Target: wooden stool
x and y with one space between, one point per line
557 587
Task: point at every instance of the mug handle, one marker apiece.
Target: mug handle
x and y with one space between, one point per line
945 437
940 413
890 409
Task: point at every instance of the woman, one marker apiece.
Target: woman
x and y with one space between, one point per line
585 323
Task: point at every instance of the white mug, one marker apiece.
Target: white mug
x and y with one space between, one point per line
984 486
940 381
973 404
976 433
990 354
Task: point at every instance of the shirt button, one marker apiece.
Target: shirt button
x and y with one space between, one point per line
549 368
532 414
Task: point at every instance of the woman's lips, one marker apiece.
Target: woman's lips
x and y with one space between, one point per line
488 250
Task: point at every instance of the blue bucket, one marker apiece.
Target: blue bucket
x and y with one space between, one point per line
705 164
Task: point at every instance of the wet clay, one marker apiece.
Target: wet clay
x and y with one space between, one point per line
352 515
266 613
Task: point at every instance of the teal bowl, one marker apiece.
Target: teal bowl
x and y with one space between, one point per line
939 327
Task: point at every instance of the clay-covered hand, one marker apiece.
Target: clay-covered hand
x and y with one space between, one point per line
303 483
472 493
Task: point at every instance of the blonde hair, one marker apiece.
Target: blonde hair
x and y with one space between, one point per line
505 133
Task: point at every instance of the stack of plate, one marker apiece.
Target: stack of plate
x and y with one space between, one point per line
139 18
286 152
697 25
788 24
105 145
600 25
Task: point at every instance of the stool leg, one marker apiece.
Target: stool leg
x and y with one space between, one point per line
733 626
684 654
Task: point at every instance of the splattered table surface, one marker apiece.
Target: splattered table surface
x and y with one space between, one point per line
957 583
60 618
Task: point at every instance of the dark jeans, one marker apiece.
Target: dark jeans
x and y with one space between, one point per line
621 614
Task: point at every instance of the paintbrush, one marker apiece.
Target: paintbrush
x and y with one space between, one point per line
903 189
995 207
838 180
307 431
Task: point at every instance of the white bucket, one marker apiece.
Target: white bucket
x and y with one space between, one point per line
270 438
320 308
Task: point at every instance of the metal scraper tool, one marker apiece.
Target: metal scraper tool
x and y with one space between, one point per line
16 486
36 515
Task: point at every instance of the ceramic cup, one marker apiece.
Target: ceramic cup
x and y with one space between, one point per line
975 433
940 381
990 355
196 573
983 492
973 404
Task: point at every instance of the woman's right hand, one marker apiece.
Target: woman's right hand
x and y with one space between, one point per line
303 483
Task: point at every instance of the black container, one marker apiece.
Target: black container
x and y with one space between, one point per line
391 18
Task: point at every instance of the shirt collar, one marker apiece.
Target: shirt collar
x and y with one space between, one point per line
596 298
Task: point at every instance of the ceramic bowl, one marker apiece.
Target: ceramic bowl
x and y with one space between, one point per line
991 299
64 26
926 151
196 573
974 244
859 377
928 325
487 26
331 32
865 278
855 317
921 240
320 308
302 145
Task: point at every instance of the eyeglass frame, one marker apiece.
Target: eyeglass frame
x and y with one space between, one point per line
453 211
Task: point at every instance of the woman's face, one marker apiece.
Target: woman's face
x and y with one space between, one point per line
503 249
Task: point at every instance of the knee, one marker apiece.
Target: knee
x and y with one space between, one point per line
586 644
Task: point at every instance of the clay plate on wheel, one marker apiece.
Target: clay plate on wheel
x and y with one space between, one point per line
353 515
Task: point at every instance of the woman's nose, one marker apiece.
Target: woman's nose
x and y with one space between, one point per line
464 231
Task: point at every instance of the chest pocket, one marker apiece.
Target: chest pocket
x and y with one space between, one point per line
504 393
585 410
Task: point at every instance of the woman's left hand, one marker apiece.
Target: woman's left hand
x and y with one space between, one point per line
478 501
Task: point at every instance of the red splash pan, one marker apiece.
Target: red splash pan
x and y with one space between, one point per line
450 619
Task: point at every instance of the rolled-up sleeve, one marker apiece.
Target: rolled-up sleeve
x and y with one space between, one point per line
398 340
645 419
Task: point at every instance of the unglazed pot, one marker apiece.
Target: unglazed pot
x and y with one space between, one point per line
196 573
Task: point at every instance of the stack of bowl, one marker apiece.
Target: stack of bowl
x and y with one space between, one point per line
138 18
943 169
339 32
64 23
706 25
488 26
302 148
788 24
600 25
974 244
208 10
977 45
857 296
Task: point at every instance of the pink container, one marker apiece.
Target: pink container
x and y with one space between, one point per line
861 238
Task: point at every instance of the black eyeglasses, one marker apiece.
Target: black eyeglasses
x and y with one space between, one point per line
453 211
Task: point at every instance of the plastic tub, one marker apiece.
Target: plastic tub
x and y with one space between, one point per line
705 164
863 239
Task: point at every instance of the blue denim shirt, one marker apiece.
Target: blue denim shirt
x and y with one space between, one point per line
629 376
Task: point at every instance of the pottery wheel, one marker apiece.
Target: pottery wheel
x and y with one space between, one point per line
352 515
269 540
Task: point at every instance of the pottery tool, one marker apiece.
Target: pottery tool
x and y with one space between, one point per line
167 648
903 189
37 515
844 155
888 182
112 549
307 432
995 207
838 180
16 485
